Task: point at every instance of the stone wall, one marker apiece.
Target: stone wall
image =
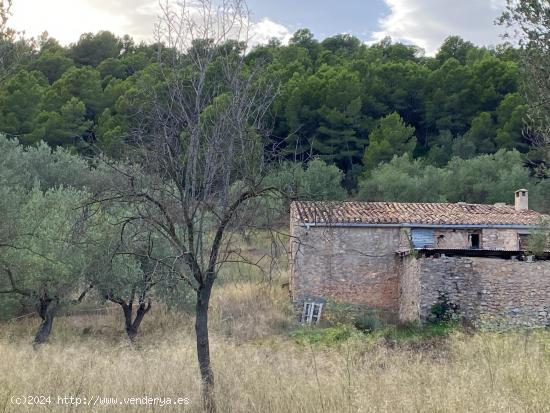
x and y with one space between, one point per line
351 264
487 290
455 277
491 238
514 292
499 238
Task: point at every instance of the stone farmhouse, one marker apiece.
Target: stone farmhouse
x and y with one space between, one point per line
401 258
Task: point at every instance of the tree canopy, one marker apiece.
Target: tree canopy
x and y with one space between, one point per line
348 104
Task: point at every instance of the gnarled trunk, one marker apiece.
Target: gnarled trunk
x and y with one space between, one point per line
203 347
132 326
47 311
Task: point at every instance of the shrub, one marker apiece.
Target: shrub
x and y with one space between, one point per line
443 310
367 322
338 313
539 240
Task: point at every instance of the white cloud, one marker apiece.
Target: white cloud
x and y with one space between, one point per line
63 19
140 16
266 29
427 23
66 20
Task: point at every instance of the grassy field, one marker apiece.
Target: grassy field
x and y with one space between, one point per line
264 362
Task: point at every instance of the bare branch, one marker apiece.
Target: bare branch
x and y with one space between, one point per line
14 289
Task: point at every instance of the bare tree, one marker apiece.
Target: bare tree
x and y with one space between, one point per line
5 6
200 149
529 22
10 50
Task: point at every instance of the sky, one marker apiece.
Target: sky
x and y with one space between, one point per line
425 23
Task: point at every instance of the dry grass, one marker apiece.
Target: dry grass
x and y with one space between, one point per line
260 369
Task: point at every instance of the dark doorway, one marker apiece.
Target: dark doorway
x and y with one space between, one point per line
474 241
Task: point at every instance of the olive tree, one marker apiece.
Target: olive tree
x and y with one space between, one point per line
539 240
123 281
46 237
43 257
54 248
130 263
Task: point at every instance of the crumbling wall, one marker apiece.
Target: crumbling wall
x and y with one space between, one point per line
514 292
409 289
491 291
453 277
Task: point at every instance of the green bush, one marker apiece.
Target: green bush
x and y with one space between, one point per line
11 306
367 322
443 310
338 313
539 240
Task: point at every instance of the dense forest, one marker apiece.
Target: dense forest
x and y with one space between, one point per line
348 104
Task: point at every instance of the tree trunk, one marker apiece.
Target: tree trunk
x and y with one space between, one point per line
127 309
46 310
203 347
132 326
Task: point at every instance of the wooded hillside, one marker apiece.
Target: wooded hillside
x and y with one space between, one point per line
351 105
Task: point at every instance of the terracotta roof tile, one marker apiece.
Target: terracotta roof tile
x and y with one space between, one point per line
411 213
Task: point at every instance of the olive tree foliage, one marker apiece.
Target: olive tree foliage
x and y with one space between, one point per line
314 181
529 22
539 240
200 149
54 248
47 255
42 253
26 166
484 179
125 275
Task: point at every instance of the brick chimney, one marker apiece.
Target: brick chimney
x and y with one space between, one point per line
522 200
